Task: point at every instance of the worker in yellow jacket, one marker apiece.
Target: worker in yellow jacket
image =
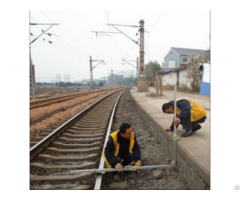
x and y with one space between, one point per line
189 114
122 148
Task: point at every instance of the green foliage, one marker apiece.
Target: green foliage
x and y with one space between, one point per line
194 74
120 80
151 69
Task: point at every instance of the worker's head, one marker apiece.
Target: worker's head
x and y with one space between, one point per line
125 130
167 108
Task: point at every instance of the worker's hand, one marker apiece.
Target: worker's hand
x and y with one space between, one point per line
119 167
177 121
138 163
168 129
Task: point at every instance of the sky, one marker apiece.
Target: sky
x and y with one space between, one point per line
74 39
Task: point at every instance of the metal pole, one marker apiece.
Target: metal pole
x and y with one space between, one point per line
32 87
40 35
112 78
122 78
174 137
132 76
91 73
127 168
137 69
125 35
175 107
141 52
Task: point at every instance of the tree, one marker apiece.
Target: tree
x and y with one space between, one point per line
194 73
61 84
151 69
116 79
68 84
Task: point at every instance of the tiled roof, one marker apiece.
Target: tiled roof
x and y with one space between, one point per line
182 66
164 71
186 52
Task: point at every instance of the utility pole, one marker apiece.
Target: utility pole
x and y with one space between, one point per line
142 82
43 31
32 84
91 73
141 52
32 70
122 78
31 81
136 67
132 77
104 32
137 73
111 77
91 69
114 25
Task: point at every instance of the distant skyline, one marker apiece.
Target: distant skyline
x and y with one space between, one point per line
73 41
68 78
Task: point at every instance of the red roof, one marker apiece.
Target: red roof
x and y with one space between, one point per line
182 67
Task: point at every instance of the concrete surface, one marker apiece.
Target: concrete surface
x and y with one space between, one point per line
191 153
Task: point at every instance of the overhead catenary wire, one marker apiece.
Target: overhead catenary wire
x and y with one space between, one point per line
54 43
150 30
60 39
113 38
71 37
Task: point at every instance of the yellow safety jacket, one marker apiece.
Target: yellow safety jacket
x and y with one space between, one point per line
197 111
117 146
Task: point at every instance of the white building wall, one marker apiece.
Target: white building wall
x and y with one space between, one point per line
182 77
169 79
183 80
172 64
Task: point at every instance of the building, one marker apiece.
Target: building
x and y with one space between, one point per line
66 78
58 78
179 75
178 56
205 55
205 80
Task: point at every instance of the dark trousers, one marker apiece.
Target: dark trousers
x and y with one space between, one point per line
126 159
188 125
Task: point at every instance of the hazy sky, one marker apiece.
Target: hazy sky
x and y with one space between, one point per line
73 41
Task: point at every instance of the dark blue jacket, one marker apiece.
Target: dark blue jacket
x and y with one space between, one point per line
185 107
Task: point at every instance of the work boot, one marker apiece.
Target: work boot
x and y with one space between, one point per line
186 134
197 127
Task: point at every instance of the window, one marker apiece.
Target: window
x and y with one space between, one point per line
185 59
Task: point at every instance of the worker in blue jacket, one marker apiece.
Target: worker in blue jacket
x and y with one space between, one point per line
189 114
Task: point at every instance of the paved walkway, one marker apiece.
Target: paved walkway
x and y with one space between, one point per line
196 148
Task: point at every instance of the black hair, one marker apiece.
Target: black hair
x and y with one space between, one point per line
165 106
124 127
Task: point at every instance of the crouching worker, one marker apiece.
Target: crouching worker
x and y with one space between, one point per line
122 148
189 114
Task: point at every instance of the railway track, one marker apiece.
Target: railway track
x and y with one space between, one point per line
51 100
52 110
76 144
